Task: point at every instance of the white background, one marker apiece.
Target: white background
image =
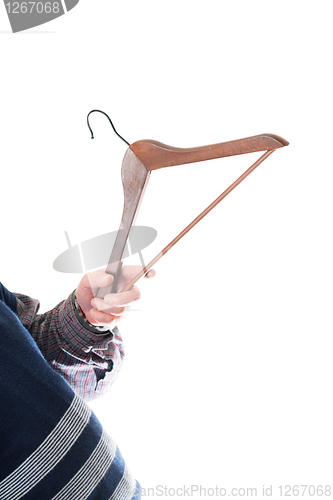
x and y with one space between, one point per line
228 376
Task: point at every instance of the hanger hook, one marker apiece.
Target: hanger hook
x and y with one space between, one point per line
99 111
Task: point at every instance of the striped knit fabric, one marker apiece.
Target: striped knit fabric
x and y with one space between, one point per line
51 444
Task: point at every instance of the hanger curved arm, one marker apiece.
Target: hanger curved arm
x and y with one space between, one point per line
144 156
155 155
135 178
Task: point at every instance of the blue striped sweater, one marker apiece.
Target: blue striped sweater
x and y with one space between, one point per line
52 447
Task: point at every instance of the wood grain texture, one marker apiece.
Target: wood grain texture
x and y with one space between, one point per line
156 155
135 179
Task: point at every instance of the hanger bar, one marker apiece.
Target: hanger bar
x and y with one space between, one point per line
155 155
196 220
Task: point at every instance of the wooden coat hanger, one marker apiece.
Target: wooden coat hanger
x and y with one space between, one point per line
144 156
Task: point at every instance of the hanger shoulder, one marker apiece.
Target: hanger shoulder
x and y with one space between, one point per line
135 178
155 155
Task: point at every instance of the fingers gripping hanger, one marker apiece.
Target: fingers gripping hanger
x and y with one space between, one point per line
144 156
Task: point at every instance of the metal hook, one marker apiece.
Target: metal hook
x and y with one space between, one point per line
99 111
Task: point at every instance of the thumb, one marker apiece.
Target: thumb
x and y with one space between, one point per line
98 279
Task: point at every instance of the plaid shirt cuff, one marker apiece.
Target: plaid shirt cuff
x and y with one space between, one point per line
82 337
90 362
83 320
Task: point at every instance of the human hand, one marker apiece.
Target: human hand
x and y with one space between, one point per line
104 312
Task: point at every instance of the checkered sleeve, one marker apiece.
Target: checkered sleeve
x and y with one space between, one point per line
88 361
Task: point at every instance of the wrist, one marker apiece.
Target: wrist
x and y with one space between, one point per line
80 316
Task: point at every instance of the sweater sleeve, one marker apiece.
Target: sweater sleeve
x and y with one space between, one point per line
51 443
88 361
